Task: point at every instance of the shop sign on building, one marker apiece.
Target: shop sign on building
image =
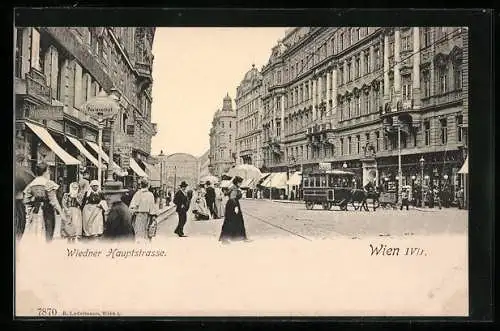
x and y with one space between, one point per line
46 112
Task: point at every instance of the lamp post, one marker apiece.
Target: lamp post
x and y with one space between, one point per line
175 177
104 107
400 174
161 169
413 177
422 178
344 166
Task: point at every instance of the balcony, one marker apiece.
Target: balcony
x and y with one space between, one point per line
34 86
443 99
145 77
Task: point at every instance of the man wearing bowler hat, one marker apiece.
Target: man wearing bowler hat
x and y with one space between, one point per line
182 206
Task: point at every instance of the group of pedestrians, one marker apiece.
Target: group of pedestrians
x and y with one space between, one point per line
85 211
211 203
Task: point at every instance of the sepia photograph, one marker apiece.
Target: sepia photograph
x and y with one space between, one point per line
241 171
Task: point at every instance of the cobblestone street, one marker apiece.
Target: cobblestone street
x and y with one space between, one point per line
270 219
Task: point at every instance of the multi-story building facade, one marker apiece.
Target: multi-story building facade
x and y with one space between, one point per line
57 70
248 119
223 139
345 95
181 167
204 162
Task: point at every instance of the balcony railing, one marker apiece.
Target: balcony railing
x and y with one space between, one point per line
448 97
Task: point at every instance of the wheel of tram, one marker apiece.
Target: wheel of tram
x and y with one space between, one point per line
326 205
309 205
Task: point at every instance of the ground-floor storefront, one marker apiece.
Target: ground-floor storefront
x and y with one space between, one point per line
67 155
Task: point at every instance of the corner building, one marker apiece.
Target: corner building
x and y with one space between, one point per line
222 153
248 119
66 67
344 96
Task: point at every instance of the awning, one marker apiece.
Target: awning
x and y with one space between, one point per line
276 180
295 179
48 140
84 151
136 168
465 167
226 183
153 174
95 147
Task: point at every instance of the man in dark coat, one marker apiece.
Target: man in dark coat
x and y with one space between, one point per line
118 225
182 205
233 227
210 198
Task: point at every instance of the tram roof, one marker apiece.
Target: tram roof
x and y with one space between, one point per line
331 172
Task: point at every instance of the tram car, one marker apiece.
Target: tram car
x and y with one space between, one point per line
327 188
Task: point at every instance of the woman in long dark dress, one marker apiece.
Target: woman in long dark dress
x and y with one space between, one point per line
233 227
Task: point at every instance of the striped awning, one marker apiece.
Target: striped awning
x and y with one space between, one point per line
48 140
136 168
84 151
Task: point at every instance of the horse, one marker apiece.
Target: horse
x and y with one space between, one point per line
361 196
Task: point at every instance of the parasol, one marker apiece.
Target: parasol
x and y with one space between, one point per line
246 171
209 178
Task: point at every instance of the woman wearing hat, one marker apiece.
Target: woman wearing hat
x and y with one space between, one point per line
142 207
72 227
93 208
233 227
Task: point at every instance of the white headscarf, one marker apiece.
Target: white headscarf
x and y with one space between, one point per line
93 183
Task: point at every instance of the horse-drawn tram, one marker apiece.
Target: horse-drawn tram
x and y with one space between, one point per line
327 188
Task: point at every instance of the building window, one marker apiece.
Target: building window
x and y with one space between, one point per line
377 139
427 132
358 33
341 146
357 68
427 84
367 109
444 131
460 120
405 43
427 36
340 77
407 91
349 146
348 72
457 77
377 58
358 143
19 51
358 106
443 77
341 42
367 63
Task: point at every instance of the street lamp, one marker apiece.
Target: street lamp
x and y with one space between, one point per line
422 178
344 165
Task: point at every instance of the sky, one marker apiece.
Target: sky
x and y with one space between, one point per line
193 70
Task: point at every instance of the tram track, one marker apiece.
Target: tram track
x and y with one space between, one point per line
277 226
